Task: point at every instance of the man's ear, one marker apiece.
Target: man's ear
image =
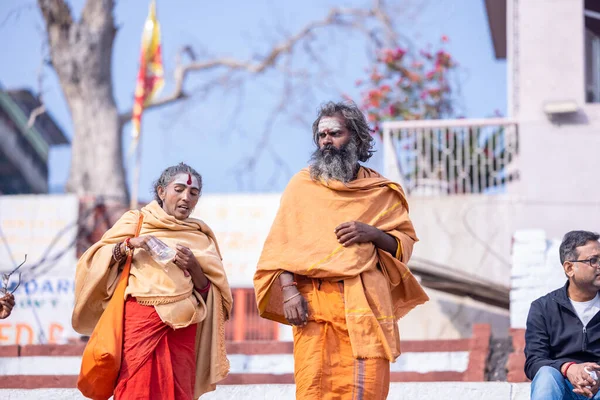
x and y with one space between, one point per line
569 267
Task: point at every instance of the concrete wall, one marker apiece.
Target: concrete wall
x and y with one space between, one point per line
549 41
470 235
557 192
557 157
536 271
447 316
505 239
474 235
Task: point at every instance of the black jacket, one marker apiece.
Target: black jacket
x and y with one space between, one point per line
556 335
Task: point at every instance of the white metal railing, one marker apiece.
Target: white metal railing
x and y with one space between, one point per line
447 157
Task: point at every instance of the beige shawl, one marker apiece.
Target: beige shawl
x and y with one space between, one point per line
97 275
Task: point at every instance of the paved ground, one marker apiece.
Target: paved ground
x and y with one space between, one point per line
398 391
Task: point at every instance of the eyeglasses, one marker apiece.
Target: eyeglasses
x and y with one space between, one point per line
593 262
6 279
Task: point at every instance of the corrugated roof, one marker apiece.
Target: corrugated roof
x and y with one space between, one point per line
44 123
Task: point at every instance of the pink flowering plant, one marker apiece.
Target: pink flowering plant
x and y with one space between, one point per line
404 86
407 86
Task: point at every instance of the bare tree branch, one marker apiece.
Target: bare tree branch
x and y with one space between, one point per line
335 17
58 18
41 109
16 13
383 16
58 21
81 53
98 14
249 164
36 112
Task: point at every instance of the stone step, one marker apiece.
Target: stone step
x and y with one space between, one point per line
398 391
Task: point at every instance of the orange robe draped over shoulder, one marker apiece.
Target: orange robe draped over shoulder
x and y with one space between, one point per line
378 288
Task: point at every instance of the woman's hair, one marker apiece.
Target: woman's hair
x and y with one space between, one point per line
167 176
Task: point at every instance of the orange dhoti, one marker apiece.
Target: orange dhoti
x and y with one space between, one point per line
324 365
158 361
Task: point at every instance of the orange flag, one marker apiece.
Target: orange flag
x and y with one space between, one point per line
150 78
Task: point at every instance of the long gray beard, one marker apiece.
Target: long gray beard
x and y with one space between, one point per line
335 164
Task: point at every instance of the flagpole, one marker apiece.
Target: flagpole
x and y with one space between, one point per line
149 82
135 184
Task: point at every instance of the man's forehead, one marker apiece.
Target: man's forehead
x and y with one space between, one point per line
186 180
592 247
330 124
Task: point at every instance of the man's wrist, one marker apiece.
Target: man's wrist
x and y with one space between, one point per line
289 290
380 235
565 367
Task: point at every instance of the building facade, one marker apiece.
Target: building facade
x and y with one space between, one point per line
25 143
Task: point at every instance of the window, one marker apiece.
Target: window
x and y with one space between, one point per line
592 51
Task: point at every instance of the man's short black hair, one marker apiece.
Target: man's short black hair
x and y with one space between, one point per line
572 240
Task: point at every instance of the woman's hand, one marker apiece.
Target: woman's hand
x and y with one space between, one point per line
185 259
141 242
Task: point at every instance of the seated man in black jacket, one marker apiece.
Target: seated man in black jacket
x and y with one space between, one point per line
562 341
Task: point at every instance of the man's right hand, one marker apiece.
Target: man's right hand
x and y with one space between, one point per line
7 302
582 382
296 309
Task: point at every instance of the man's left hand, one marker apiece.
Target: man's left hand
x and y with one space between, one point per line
588 391
582 382
353 232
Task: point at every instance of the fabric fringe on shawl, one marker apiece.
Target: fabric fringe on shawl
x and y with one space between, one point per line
153 301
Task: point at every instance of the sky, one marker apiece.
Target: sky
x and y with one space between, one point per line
217 132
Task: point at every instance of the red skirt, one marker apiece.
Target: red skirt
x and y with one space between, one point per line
158 362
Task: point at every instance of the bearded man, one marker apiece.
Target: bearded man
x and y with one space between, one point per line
334 264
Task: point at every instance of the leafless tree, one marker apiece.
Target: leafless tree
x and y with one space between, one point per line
81 52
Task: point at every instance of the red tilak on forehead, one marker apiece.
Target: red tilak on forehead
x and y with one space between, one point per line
189 181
